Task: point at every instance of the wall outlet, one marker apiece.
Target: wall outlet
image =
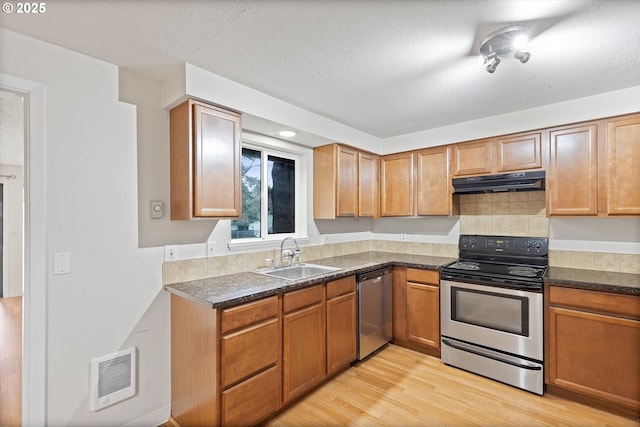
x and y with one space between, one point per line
170 252
403 237
211 249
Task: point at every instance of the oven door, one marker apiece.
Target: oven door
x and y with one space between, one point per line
507 320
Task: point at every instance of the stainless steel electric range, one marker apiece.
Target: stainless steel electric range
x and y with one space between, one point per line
492 309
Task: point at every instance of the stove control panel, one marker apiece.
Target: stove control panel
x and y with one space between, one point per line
504 245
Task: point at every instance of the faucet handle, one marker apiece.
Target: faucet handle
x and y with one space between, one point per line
297 254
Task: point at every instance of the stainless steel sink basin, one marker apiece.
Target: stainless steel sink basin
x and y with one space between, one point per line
296 272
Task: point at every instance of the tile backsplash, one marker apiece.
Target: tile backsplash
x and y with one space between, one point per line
509 214
199 268
504 214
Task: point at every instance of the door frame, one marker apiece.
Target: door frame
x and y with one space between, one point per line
35 295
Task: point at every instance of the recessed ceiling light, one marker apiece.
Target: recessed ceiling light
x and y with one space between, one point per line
287 133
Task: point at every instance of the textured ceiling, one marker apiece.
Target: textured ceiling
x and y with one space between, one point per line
384 67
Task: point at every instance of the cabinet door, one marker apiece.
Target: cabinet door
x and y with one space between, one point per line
397 185
341 332
217 163
251 400
519 152
347 183
304 360
623 166
423 314
473 158
433 182
594 354
368 185
572 187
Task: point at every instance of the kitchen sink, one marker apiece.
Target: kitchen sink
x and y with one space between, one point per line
296 272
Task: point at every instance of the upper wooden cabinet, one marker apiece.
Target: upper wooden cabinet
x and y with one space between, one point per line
572 175
472 158
345 182
205 153
397 185
518 152
368 185
498 155
623 166
594 168
433 186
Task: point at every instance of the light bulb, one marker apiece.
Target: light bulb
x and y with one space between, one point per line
520 41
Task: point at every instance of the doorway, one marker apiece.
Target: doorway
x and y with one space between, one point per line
12 243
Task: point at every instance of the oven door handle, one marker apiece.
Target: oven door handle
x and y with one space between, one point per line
504 358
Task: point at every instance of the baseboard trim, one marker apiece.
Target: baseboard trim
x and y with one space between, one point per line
155 418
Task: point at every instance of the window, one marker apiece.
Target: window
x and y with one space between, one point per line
269 193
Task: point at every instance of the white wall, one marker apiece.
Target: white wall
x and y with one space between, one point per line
593 107
13 223
113 296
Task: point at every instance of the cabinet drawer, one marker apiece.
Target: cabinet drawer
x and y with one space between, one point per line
423 276
303 298
341 286
252 400
248 351
247 314
623 305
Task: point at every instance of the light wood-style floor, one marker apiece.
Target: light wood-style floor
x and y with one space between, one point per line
402 387
10 361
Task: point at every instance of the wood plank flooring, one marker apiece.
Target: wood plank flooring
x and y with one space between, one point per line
10 361
402 387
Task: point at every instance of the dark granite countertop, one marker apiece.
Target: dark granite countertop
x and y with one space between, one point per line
605 281
238 288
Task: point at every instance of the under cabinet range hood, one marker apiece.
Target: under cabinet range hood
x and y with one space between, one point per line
515 181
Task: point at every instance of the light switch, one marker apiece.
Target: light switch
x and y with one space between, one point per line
62 263
156 209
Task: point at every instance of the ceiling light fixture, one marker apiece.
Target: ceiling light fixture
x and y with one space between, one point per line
503 41
287 133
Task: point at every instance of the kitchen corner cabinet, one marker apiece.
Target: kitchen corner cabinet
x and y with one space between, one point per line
397 184
416 309
592 345
594 168
498 155
341 323
433 186
205 156
225 364
345 182
304 344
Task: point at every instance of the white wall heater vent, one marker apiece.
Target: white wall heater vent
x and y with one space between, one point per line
113 378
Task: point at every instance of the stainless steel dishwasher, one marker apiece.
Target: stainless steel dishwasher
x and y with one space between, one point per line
374 311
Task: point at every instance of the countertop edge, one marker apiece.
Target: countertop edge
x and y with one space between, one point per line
278 286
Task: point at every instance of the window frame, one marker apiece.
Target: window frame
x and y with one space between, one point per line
274 147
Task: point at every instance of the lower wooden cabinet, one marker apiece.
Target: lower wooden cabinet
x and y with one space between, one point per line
341 323
252 400
303 337
593 339
416 309
423 308
250 362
